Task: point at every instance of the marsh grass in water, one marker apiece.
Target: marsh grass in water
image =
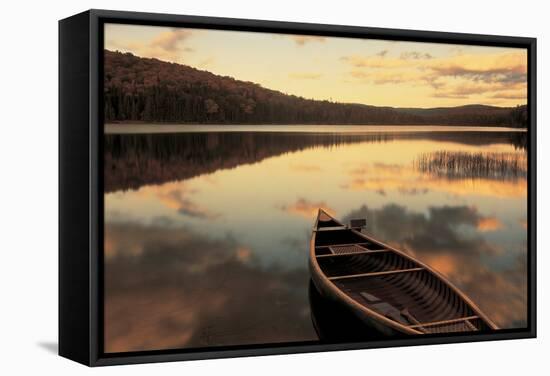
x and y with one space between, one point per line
460 165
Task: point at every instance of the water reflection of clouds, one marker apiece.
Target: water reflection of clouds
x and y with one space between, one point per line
523 223
467 258
166 287
240 276
379 177
178 200
178 197
488 224
305 208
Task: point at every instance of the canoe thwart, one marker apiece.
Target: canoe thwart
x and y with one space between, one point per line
331 228
373 274
342 244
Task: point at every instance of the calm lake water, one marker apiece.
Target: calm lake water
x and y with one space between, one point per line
207 233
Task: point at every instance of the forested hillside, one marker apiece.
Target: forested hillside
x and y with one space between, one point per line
150 90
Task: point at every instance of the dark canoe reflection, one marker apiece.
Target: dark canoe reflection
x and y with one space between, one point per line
207 234
134 160
333 323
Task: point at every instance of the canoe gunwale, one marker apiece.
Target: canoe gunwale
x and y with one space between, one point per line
332 288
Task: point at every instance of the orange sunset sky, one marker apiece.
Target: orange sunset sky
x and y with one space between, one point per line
375 72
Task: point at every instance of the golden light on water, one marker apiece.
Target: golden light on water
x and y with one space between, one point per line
234 239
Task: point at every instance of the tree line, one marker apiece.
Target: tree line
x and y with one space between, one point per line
150 90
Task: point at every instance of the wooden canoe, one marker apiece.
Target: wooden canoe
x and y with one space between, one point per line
385 288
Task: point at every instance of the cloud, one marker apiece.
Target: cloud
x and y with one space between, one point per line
520 95
470 77
358 74
167 45
466 89
486 88
305 75
507 67
169 40
302 40
487 75
373 62
415 55
449 94
305 208
382 77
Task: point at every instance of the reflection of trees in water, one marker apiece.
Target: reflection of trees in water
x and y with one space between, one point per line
460 165
518 139
134 160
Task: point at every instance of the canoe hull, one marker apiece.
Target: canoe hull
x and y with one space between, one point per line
356 269
328 294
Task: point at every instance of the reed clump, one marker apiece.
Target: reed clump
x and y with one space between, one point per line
460 165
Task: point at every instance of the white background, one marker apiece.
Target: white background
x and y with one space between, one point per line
28 161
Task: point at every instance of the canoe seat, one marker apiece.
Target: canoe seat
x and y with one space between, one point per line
385 308
390 312
369 297
352 248
413 320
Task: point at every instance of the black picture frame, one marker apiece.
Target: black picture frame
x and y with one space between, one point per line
81 183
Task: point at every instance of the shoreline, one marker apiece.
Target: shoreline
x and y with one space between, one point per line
158 128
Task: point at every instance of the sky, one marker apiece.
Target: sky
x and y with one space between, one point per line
367 71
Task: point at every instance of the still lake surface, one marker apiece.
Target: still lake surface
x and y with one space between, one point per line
207 233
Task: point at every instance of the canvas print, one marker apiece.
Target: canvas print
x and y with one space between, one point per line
269 189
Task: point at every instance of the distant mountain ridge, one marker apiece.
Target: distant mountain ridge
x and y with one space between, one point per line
151 90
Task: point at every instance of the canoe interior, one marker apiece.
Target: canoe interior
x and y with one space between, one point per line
325 220
325 314
389 283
